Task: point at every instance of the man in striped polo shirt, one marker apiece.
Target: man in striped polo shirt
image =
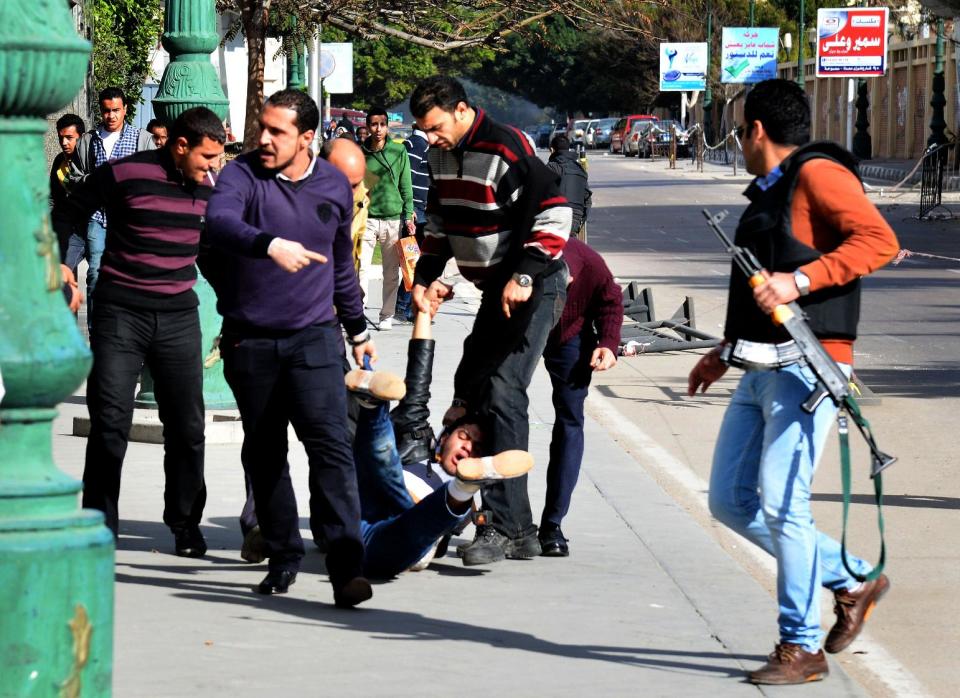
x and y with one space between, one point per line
496 208
146 313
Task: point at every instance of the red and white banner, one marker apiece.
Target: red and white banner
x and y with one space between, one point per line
851 42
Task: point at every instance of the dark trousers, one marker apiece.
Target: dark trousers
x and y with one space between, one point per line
569 367
297 379
503 354
122 340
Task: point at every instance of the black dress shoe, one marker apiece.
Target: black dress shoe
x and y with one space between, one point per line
354 592
277 582
552 542
189 542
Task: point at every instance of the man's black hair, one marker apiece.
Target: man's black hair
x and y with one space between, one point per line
195 124
308 116
68 120
782 107
438 91
560 143
377 111
484 423
155 123
109 93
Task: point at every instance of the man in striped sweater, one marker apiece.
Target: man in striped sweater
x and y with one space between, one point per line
146 312
496 208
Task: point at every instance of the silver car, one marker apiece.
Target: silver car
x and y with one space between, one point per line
633 144
602 132
578 132
589 133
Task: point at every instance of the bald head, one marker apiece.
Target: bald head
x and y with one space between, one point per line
347 157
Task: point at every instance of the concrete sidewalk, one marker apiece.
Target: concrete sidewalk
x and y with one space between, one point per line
648 603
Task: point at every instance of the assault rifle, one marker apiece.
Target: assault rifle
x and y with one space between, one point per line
831 382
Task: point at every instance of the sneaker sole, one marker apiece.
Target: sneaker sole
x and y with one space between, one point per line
486 558
378 384
499 467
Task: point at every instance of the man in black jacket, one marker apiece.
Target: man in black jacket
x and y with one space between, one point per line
573 181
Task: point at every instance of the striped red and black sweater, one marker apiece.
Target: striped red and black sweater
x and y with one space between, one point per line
494 206
153 232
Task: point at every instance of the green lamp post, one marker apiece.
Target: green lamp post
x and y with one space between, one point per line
938 123
190 36
56 560
296 64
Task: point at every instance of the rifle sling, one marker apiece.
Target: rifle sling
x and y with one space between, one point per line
850 407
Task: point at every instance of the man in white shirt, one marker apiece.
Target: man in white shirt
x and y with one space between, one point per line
112 139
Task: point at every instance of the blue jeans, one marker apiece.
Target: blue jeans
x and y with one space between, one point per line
396 532
569 367
96 240
76 251
763 468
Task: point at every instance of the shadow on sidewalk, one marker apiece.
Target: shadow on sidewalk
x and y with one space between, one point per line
917 501
402 625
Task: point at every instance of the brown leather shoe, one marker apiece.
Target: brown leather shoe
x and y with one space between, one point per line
790 663
852 612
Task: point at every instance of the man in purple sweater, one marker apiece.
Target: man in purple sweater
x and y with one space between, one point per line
585 340
146 313
276 217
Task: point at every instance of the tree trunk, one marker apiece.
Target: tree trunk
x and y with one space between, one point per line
254 16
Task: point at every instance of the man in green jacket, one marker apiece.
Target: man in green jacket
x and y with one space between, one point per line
390 212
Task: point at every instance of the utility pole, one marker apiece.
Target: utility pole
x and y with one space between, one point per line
708 92
801 40
753 4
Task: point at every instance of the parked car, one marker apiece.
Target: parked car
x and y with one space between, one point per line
661 135
622 130
578 133
544 134
634 142
589 133
602 132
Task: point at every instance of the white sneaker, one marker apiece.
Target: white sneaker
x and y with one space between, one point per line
385 325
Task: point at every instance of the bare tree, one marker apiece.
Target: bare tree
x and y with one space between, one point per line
438 24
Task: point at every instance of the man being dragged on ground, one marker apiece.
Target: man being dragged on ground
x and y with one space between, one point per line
415 490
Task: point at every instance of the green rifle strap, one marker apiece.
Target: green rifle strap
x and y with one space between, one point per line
878 497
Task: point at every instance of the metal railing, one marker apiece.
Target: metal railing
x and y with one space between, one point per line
931 180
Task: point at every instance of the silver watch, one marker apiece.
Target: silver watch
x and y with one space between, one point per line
802 281
523 280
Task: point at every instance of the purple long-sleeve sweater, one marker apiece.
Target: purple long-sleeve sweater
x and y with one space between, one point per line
249 207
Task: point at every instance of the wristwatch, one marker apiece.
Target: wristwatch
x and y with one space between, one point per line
523 280
802 281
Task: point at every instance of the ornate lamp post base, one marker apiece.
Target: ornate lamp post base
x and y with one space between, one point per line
56 560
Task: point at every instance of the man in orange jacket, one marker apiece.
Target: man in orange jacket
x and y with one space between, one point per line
816 233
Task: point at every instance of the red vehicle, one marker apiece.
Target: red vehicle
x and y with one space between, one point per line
356 117
619 133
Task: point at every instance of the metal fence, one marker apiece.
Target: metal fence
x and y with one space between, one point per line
931 180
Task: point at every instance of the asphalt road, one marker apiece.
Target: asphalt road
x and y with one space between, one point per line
647 223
